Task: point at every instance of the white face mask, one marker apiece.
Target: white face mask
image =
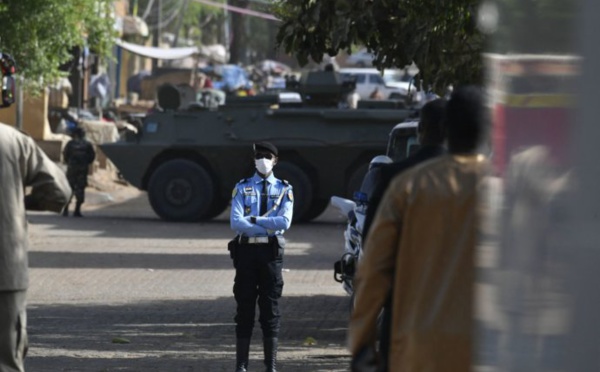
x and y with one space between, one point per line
264 166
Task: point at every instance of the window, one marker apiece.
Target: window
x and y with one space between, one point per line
376 79
402 142
360 78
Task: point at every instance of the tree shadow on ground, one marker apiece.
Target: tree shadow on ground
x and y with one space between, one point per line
182 335
164 261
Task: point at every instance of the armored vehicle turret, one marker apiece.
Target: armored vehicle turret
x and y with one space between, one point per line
322 88
189 159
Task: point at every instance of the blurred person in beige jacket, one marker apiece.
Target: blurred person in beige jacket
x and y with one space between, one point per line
22 163
421 247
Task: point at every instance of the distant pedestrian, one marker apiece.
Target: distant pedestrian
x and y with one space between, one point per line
421 247
261 211
22 163
78 154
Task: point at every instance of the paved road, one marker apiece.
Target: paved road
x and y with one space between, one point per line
167 288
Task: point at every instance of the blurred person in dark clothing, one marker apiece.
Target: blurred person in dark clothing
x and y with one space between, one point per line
431 139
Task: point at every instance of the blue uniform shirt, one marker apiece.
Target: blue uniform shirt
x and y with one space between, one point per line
245 203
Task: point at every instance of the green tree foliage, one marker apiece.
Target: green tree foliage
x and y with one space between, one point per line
188 19
440 36
203 23
39 33
535 26
249 37
262 42
239 40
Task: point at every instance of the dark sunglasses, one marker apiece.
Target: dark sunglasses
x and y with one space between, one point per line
263 155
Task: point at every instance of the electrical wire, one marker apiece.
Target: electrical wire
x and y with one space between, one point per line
148 9
169 10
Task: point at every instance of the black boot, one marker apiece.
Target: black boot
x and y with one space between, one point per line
65 212
77 212
242 351
270 345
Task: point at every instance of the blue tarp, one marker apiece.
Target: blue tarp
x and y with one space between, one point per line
233 77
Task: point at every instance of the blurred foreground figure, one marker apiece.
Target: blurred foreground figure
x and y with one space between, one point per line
421 247
22 163
432 136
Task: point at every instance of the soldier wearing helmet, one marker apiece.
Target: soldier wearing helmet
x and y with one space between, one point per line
78 154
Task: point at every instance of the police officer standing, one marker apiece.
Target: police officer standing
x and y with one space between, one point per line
261 211
79 154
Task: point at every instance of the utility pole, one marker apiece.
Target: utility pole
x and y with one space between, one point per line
226 33
157 32
19 93
240 36
182 12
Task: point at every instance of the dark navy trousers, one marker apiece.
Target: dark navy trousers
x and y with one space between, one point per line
257 278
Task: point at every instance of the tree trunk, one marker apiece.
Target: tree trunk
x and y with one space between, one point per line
271 52
237 48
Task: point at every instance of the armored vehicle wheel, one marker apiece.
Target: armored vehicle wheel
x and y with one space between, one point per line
356 179
218 207
303 192
317 207
181 190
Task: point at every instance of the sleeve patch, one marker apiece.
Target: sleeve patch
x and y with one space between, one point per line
290 195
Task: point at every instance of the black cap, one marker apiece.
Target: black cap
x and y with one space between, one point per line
265 146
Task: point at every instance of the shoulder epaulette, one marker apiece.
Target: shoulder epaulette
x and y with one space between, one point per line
243 180
285 182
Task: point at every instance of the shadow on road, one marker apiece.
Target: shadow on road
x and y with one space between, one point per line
160 261
182 335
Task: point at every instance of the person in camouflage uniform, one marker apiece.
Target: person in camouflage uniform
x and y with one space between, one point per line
78 154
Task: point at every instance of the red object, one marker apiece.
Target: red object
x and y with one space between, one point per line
516 128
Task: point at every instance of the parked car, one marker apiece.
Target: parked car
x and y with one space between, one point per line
401 80
361 58
368 80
